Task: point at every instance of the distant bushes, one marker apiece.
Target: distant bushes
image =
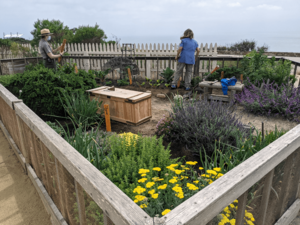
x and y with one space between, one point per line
244 46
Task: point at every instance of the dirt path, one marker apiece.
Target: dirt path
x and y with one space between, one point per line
19 201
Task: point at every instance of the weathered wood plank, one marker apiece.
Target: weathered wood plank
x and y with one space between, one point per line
47 201
118 206
242 200
206 204
60 191
14 146
80 203
285 185
290 214
8 97
238 87
265 198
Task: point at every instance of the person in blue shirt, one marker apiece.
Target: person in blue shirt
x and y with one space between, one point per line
186 50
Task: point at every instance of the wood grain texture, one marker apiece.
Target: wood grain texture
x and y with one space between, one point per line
7 96
238 87
120 208
240 214
206 204
290 214
265 198
80 203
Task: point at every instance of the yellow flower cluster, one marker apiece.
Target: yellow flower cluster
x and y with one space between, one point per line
143 171
129 138
165 212
230 211
149 184
142 180
139 190
192 187
191 163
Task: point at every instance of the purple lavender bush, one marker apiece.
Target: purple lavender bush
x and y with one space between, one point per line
271 99
163 127
199 125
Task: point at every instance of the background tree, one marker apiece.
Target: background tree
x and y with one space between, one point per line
56 27
87 34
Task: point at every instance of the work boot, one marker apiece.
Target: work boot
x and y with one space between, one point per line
173 86
187 88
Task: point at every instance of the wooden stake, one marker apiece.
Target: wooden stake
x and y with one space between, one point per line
222 75
217 67
241 78
107 117
178 82
62 48
76 70
129 75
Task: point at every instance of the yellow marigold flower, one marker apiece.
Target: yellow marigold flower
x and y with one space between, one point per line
155 178
187 168
139 198
143 206
201 168
151 192
196 181
235 201
175 177
155 196
143 174
180 195
136 201
142 180
143 171
232 221
209 181
149 184
139 190
179 171
219 175
177 189
173 181
174 165
218 169
191 163
232 205
211 172
165 211
157 169
160 179
162 187
170 168
205 175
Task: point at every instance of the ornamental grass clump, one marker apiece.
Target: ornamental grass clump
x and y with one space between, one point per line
271 99
198 125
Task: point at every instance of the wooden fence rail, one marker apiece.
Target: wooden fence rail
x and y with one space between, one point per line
149 67
63 177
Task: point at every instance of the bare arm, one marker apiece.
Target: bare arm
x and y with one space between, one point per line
54 56
198 51
178 53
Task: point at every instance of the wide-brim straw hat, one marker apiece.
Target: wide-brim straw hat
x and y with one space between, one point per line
45 32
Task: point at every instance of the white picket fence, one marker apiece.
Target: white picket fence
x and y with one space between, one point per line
114 50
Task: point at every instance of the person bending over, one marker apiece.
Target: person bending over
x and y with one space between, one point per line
186 50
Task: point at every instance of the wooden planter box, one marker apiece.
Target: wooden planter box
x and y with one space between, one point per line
131 107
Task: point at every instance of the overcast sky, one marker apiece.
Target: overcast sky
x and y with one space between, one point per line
275 23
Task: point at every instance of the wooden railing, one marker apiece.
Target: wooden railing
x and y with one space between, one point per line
64 178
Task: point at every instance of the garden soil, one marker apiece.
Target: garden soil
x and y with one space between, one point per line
19 202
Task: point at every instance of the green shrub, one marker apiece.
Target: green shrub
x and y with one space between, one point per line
55 127
127 158
5 80
39 87
228 73
167 74
259 68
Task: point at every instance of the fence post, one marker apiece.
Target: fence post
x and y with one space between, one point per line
86 61
80 203
242 200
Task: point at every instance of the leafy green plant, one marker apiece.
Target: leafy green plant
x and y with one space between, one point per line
259 68
123 82
108 83
101 74
55 127
167 75
167 85
195 81
80 109
40 87
5 80
142 84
